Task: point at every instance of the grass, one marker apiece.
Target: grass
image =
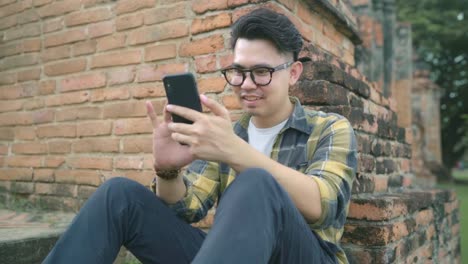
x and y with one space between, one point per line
461 187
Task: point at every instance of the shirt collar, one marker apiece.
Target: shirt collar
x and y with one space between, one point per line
297 120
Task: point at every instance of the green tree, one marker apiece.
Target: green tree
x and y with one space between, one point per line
440 38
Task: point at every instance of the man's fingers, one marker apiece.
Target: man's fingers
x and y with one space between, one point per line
167 115
151 113
215 107
185 112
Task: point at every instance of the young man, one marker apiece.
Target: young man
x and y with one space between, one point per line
282 176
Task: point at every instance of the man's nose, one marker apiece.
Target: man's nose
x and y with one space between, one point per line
248 84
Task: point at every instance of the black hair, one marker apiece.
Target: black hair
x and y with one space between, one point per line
268 25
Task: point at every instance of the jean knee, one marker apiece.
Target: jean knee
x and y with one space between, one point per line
120 186
255 177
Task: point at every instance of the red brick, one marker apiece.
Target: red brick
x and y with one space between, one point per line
8 22
16 174
127 6
10 49
84 192
130 21
157 33
126 109
25 133
143 177
78 113
86 81
96 128
163 14
28 30
52 131
99 163
29 75
61 38
69 98
59 8
18 91
205 64
133 163
132 126
52 25
29 148
101 29
47 87
9 106
231 102
115 59
31 45
150 74
43 175
110 94
153 90
201 46
55 53
211 85
91 3
8 78
7 134
37 3
28 16
11 9
59 147
96 145
36 104
53 161
43 116
380 183
210 23
201 6
424 218
111 42
309 16
8 119
160 52
85 177
19 61
85 47
120 76
24 161
88 16
65 67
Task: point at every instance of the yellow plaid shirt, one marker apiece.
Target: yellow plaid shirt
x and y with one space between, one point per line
315 143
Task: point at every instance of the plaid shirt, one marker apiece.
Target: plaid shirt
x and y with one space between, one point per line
317 144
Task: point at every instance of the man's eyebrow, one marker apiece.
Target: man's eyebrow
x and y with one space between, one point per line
237 65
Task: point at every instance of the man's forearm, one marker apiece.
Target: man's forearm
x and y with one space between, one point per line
171 191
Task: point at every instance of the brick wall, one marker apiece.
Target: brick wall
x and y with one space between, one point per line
74 77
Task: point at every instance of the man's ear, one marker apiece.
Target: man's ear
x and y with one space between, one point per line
296 71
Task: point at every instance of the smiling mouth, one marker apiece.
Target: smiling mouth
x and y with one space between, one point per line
251 98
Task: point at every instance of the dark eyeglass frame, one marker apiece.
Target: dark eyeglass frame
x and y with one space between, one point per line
244 71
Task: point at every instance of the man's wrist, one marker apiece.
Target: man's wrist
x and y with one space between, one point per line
167 174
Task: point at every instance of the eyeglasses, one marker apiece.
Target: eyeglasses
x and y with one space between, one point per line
261 75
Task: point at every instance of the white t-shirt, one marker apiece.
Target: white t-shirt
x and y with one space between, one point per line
262 139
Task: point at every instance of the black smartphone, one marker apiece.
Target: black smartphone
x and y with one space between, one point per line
181 89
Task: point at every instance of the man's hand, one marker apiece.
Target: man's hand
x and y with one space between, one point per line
210 137
168 154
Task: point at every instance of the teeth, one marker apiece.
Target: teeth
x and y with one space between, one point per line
251 98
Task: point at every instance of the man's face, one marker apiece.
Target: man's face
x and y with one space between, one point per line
263 102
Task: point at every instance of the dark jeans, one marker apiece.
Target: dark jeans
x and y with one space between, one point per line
256 222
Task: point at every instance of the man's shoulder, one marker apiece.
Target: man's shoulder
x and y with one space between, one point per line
317 117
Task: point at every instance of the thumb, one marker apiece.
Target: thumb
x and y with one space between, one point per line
215 107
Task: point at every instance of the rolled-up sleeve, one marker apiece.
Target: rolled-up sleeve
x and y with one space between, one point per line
333 167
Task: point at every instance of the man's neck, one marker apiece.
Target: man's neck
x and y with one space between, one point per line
266 122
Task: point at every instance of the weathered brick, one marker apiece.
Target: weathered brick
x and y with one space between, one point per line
43 116
7 134
380 208
101 29
47 87
29 148
52 131
16 174
210 23
201 46
13 8
65 67
163 14
110 94
120 76
18 91
86 81
29 75
66 37
150 74
115 59
57 189
19 61
95 128
25 133
85 47
8 22
320 92
201 6
211 85
126 109
31 45
43 175
78 113
146 91
133 163
127 6
11 105
59 8
24 161
129 21
52 25
10 49
137 144
96 145
25 31
99 163
88 16
22 187
28 16
69 98
59 147
53 161
55 53
114 41
142 177
159 32
85 177
85 191
3 149
205 64
132 126
160 52
15 118
37 3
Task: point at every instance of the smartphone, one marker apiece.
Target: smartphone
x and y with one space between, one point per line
181 89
